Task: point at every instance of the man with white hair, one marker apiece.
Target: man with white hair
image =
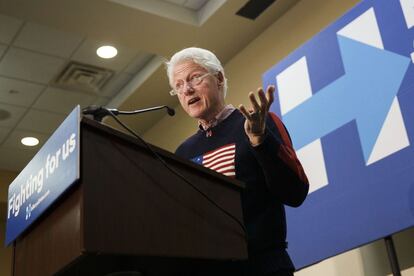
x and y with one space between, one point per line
251 145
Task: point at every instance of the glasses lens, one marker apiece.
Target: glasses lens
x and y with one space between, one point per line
197 80
180 87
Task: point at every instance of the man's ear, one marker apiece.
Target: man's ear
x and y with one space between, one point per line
220 79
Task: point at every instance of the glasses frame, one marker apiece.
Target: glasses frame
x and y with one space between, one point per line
192 82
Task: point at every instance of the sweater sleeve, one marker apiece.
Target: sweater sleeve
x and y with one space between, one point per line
283 171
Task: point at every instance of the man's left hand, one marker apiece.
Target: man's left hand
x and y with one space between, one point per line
255 124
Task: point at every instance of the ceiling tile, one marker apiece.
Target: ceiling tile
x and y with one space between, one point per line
115 85
138 63
15 159
9 26
31 66
47 40
41 121
19 92
3 133
15 114
3 49
14 140
62 101
86 53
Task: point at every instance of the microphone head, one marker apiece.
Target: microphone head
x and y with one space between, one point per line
170 111
90 110
95 112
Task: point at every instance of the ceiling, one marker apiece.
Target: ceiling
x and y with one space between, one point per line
40 39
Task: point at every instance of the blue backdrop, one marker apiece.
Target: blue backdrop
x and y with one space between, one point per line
347 98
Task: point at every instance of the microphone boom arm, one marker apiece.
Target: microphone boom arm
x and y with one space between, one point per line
99 112
170 111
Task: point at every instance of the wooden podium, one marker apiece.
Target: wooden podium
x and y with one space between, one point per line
128 212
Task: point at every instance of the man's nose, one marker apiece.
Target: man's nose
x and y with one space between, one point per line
188 88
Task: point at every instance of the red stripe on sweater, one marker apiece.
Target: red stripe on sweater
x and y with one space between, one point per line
286 151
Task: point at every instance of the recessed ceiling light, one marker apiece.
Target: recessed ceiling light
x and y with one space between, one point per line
107 51
30 141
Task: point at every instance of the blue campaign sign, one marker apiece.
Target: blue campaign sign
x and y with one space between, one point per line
47 176
347 98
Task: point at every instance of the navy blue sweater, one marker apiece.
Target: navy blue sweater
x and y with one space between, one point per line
273 176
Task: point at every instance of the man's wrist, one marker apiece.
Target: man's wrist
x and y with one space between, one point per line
256 139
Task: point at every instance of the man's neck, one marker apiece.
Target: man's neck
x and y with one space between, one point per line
211 118
219 116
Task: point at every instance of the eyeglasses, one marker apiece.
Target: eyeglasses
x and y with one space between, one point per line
194 81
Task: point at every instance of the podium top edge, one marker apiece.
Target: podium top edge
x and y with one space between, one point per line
164 153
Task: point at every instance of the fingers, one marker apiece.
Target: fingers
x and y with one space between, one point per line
265 101
255 104
245 113
270 94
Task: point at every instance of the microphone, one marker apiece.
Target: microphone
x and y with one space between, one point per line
170 111
99 112
96 112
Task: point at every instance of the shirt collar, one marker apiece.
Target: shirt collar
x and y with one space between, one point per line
221 116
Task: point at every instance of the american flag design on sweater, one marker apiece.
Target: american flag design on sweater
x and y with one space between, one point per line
221 160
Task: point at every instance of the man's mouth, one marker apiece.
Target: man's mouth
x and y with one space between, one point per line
193 100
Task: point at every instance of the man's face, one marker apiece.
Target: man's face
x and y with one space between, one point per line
202 101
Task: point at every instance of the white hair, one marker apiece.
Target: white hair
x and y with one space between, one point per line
202 57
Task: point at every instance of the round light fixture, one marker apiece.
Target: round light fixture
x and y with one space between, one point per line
30 141
107 51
